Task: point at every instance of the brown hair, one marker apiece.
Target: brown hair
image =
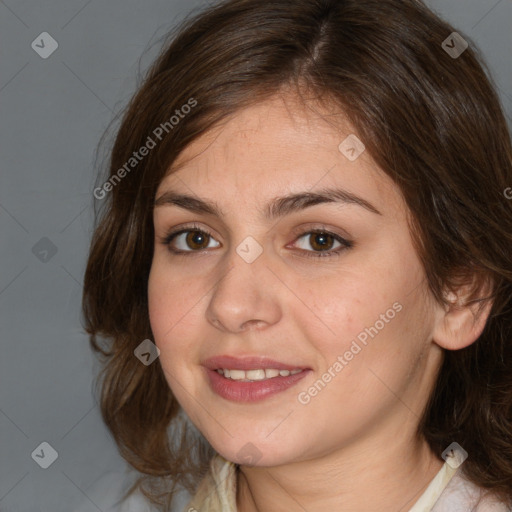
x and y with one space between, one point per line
432 122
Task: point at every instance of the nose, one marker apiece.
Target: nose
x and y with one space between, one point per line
246 296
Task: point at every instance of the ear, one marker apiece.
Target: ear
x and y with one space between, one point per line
460 324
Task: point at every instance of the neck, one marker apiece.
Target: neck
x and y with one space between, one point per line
390 477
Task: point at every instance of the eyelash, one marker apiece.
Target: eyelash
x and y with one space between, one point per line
346 244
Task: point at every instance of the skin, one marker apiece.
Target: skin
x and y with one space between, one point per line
353 447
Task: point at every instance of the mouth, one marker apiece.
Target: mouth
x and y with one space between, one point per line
252 378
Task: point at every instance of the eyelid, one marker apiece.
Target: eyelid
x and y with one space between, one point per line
319 226
174 232
346 242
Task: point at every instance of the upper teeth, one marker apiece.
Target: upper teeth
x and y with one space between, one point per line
259 374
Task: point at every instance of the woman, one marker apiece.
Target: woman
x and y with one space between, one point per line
302 271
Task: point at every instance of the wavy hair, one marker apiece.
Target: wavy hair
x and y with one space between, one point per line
432 122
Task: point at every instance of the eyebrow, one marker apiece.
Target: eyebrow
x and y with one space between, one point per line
278 207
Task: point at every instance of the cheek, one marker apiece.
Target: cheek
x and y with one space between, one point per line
376 318
172 317
169 311
160 315
173 304
342 308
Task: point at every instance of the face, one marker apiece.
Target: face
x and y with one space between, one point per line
332 287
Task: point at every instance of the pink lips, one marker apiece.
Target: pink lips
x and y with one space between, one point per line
238 391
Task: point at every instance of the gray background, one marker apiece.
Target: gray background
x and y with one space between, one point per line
53 112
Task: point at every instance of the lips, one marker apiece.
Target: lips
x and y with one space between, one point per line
250 390
249 363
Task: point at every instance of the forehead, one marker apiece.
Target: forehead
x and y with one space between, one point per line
278 146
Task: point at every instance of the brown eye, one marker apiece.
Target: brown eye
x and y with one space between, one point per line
188 240
321 241
197 239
